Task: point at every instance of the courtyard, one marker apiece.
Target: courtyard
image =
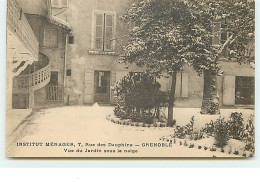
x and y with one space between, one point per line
83 131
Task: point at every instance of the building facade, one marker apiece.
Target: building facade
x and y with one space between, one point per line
93 64
83 41
38 75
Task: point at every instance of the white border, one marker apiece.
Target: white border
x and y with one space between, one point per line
82 163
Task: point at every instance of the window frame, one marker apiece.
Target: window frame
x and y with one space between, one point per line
226 33
69 72
102 83
250 88
93 37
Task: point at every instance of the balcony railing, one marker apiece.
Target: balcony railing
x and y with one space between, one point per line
18 23
35 80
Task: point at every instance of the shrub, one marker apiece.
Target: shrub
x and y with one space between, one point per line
209 128
236 127
120 112
221 132
196 135
249 135
139 98
184 131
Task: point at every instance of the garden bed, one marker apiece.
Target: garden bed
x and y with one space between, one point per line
129 122
231 135
234 147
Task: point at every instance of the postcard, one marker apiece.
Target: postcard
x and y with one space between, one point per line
130 78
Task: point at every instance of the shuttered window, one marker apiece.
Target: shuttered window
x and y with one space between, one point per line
181 89
108 32
104 31
184 85
224 33
59 3
50 38
220 33
99 32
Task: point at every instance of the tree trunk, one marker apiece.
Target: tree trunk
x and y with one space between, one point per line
210 103
171 101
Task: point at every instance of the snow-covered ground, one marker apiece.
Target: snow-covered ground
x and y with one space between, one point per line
14 117
86 124
184 115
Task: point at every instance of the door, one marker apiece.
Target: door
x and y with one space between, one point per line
54 78
89 87
53 90
102 86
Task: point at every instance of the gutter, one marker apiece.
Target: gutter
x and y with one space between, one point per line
65 68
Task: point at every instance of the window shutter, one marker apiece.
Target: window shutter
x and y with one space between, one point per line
178 85
54 38
108 32
229 90
99 31
46 38
113 82
216 33
185 82
89 87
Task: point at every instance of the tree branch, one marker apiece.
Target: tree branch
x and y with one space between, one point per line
225 44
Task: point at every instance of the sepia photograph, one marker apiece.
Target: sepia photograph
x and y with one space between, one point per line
130 79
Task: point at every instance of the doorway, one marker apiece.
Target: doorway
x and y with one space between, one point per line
53 90
102 86
54 78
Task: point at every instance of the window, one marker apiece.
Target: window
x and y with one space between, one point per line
50 38
59 3
245 90
224 33
68 72
71 39
102 82
220 32
104 32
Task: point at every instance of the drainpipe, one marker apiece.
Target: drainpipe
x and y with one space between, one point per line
65 68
